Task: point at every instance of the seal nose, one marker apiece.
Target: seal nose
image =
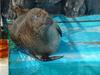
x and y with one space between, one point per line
49 21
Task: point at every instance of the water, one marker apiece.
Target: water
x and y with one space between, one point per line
71 64
79 58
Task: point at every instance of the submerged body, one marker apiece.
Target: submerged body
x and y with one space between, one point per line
35 32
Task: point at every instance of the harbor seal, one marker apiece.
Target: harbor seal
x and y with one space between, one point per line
37 34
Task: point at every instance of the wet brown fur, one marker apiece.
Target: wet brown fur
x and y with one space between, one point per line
19 10
25 31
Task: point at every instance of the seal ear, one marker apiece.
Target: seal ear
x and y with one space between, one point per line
19 10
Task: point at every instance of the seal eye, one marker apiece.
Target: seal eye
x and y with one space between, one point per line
34 17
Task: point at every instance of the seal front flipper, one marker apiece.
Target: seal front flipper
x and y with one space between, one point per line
51 58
